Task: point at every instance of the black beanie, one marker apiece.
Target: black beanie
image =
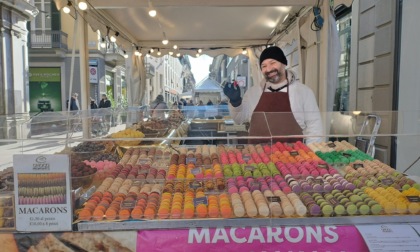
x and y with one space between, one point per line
273 52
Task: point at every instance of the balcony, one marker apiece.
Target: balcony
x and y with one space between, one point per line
114 54
48 39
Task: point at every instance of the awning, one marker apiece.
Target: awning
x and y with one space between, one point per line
217 27
208 85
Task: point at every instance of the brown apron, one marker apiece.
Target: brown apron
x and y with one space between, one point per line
272 122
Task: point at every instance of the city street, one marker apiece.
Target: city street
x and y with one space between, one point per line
48 144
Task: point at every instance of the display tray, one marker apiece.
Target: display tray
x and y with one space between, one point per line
242 222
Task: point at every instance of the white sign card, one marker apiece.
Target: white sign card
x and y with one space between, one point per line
42 192
390 237
241 80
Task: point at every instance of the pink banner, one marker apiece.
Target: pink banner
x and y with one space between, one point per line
256 239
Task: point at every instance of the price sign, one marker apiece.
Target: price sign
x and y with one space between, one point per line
273 199
201 200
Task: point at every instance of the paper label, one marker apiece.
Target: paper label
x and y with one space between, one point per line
390 237
414 199
196 171
195 184
201 200
355 166
128 204
191 160
273 199
387 181
331 145
294 153
322 166
42 199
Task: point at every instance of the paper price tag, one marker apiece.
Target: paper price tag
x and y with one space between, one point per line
128 204
273 199
246 158
387 181
322 166
294 153
195 185
355 166
191 160
201 200
196 171
331 145
240 147
413 199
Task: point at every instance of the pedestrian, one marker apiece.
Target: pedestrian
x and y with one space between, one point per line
280 91
201 109
74 102
93 104
158 107
104 103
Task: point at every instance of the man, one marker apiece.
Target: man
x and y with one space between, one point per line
93 104
74 102
278 95
107 117
104 103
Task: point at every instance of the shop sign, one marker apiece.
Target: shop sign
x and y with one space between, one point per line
294 238
45 89
42 192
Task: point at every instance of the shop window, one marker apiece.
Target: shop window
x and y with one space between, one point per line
109 82
343 21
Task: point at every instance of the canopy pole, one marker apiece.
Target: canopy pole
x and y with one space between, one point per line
84 77
73 55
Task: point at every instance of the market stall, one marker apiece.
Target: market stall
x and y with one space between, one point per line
208 195
139 176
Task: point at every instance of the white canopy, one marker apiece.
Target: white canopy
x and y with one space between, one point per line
222 27
216 27
208 85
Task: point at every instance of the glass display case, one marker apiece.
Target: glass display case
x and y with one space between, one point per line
131 171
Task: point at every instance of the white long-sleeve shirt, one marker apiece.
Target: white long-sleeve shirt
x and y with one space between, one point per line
302 102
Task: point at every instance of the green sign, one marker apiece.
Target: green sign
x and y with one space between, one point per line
48 74
45 89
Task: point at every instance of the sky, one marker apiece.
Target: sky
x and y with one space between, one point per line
200 67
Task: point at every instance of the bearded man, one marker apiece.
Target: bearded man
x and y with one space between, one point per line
280 108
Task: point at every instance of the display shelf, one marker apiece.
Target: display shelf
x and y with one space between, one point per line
244 222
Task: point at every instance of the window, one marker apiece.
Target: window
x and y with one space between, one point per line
42 21
341 100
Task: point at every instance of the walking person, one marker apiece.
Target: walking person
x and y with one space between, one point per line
158 107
